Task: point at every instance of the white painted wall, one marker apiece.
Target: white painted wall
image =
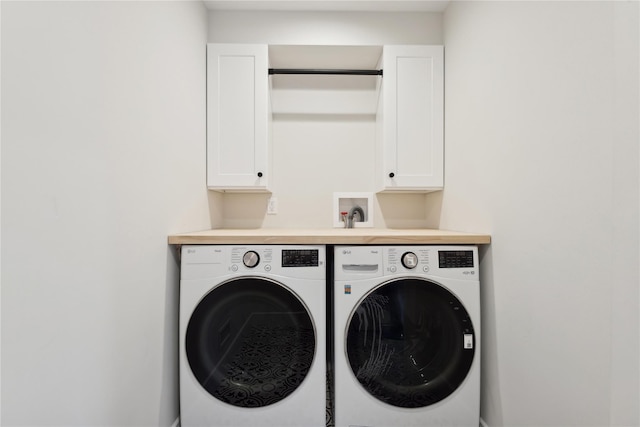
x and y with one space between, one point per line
102 157
317 155
325 28
542 153
103 151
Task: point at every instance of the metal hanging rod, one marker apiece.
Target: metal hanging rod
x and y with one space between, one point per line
325 71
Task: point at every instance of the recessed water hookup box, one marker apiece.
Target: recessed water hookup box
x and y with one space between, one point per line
345 208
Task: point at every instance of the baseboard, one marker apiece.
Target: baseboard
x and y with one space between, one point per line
176 423
482 423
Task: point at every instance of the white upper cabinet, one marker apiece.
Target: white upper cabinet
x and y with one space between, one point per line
407 102
238 118
409 122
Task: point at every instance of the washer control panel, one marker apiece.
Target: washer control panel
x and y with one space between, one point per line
218 261
293 261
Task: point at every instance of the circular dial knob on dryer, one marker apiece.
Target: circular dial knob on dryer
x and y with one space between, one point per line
251 259
409 260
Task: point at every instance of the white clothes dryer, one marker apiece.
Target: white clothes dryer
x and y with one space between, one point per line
407 336
252 336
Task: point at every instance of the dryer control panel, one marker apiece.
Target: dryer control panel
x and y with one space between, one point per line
443 261
429 260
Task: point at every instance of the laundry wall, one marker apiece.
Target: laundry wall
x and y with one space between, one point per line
317 155
103 156
542 153
103 130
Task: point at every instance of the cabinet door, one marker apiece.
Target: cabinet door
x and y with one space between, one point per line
412 152
237 117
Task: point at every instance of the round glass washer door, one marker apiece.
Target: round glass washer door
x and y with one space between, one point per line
250 342
410 343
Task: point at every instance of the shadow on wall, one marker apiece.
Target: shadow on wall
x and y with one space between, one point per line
216 211
491 399
433 207
406 210
237 210
170 383
393 210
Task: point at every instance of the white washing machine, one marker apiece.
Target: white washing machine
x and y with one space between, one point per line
407 336
252 336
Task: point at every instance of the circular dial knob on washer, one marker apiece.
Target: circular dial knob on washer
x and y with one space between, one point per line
251 259
409 260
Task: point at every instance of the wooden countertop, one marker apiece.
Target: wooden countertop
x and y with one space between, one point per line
333 236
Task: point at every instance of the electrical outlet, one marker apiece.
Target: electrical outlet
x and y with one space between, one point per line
272 206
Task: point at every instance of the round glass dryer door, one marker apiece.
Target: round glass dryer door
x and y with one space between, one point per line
250 342
410 343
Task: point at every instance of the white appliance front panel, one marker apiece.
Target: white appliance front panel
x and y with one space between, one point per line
354 406
206 267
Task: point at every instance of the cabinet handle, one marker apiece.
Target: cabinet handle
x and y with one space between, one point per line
391 175
259 174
